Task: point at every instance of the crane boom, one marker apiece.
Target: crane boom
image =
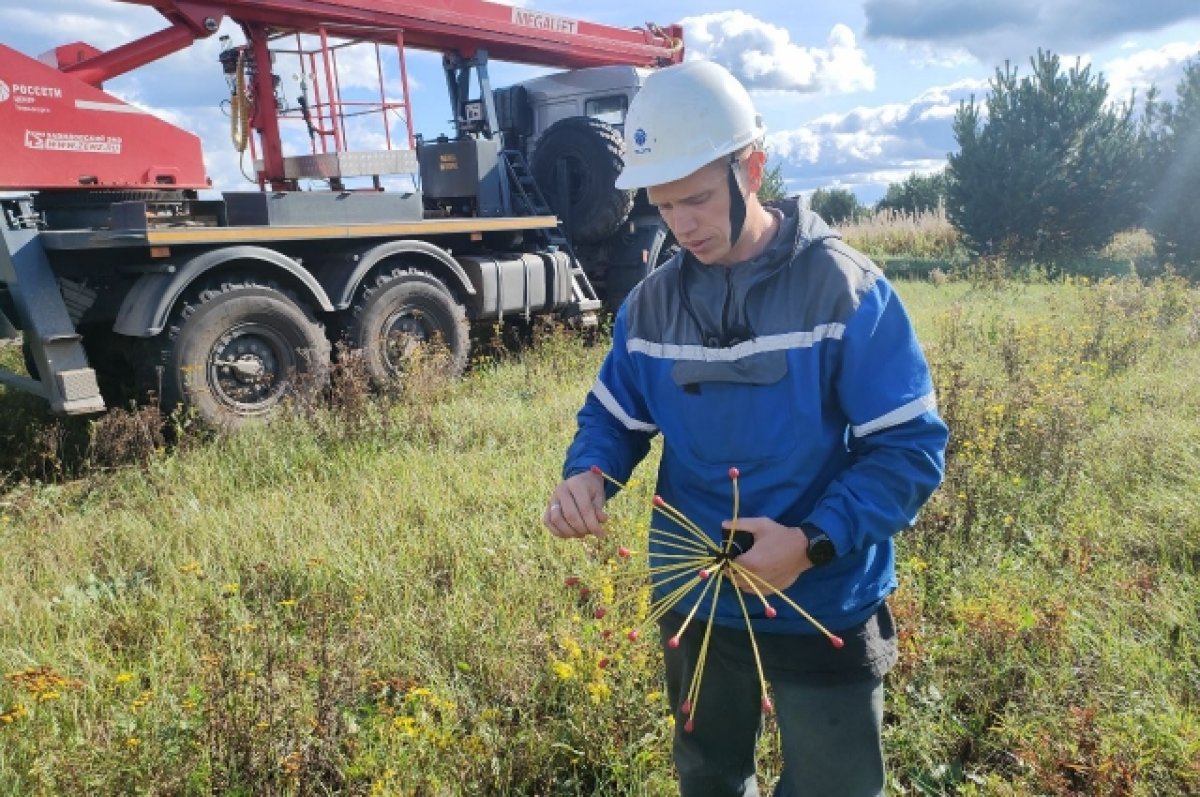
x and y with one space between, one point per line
509 33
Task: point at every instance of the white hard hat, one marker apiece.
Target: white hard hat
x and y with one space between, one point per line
685 117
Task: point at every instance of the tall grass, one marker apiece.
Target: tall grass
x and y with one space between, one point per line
918 245
890 233
361 600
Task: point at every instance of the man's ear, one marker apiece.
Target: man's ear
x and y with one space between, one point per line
756 169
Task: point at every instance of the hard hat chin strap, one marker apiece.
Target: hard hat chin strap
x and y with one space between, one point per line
737 203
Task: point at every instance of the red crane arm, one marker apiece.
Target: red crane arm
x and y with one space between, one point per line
508 33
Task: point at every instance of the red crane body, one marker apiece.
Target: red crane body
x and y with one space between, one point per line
59 130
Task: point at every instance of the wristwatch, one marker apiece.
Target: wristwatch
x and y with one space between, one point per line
820 548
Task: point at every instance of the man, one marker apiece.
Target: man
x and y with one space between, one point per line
770 346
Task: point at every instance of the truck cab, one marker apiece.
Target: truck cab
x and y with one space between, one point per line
602 93
569 126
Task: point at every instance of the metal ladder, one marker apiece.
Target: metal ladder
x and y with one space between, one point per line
525 198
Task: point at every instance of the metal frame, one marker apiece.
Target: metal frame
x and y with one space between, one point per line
66 381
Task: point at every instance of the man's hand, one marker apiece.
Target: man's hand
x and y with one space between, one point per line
778 557
576 507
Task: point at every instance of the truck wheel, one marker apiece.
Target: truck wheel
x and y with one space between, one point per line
400 310
593 153
234 350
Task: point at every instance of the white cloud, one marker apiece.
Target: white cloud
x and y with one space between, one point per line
801 145
763 55
869 147
1161 67
92 21
924 55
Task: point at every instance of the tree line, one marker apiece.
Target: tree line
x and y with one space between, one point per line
1048 167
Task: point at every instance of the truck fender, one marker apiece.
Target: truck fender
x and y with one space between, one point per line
342 283
147 305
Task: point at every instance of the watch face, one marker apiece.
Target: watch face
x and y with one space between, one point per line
821 550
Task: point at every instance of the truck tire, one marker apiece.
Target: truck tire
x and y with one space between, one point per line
402 308
233 351
593 154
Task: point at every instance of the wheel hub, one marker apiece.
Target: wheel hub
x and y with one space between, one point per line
404 332
246 368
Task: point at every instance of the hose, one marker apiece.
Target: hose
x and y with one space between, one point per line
239 107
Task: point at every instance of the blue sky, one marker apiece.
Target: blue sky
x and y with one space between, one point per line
856 94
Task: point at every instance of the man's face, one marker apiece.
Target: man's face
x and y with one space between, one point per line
696 208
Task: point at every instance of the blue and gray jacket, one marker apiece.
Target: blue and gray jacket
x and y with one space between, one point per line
800 368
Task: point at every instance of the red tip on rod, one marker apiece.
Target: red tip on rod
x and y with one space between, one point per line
771 613
685 707
596 470
734 473
836 641
658 500
689 726
673 642
703 574
624 552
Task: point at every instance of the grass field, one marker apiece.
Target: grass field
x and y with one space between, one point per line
360 600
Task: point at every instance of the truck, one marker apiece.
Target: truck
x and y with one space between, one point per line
125 273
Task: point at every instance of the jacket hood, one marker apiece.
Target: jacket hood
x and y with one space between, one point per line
809 227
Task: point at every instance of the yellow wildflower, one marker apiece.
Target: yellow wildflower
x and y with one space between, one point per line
598 691
571 648
141 701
